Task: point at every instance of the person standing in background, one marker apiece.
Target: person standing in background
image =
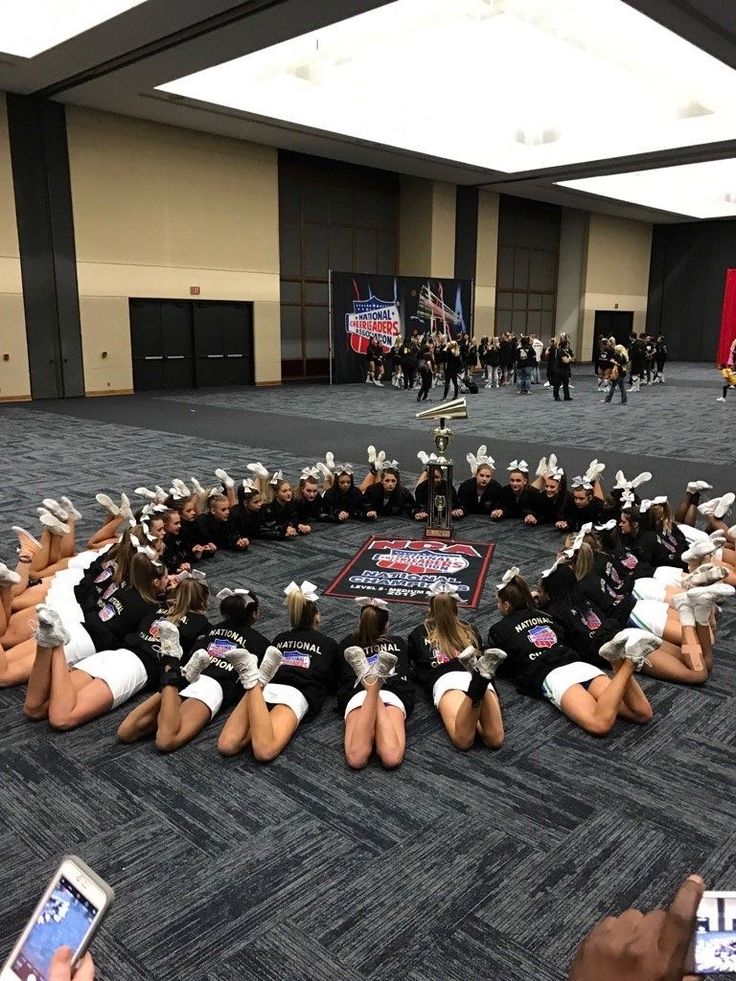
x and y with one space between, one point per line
660 356
561 370
538 351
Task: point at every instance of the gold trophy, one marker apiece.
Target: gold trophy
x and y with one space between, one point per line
439 469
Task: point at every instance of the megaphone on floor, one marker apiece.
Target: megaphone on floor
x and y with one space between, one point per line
456 409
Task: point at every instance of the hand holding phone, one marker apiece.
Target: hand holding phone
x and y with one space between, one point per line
62 970
67 916
642 946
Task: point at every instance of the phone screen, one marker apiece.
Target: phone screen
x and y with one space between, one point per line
65 920
714 947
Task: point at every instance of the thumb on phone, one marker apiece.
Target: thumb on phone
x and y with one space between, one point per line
679 924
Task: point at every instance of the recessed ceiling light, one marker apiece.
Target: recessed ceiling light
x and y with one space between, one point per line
462 80
699 190
33 26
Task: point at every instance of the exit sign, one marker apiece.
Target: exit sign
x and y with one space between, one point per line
194 291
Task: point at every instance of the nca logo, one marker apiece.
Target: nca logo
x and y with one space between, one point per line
420 563
591 620
542 637
373 318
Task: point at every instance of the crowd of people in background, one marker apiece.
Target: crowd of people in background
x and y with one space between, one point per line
423 361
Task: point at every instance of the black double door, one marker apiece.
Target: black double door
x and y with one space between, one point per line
612 323
191 344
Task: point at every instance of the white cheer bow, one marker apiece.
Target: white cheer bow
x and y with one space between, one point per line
520 465
307 589
371 601
506 578
441 587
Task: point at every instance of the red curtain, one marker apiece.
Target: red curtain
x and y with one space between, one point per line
728 316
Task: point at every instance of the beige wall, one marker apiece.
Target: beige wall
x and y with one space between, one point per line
616 274
14 376
159 209
426 228
486 263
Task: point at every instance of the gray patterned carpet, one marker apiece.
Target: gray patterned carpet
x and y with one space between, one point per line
457 866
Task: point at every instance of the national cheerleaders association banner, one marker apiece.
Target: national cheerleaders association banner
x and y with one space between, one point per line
401 570
387 307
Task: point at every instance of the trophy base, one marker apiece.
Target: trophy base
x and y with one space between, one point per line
438 532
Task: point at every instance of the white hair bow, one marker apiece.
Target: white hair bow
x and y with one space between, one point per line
258 469
249 486
479 459
278 475
506 578
548 572
380 461
147 531
225 593
307 589
194 574
520 465
607 526
586 528
429 457
441 587
390 465
143 549
215 492
581 482
310 472
575 547
557 474
647 503
371 601
345 468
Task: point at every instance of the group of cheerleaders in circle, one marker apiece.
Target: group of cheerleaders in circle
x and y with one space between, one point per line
633 588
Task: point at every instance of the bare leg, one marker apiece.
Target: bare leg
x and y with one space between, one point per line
368 481
41 557
75 697
141 722
23 569
691 650
635 706
596 709
235 734
36 705
270 731
687 510
16 665
55 549
31 597
68 541
668 663
179 719
360 729
106 533
20 627
460 718
490 723
390 735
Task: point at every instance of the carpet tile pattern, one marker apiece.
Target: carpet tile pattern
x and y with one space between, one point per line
458 865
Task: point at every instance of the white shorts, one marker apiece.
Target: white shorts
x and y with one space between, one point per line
668 575
207 690
286 695
60 595
387 697
452 681
651 615
560 679
80 643
649 589
83 560
122 671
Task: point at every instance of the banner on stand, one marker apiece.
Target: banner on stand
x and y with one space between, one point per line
400 570
391 307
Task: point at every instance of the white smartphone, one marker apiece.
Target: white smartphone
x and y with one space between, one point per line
68 914
714 944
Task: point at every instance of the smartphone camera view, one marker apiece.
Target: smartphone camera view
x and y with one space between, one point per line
64 920
715 935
